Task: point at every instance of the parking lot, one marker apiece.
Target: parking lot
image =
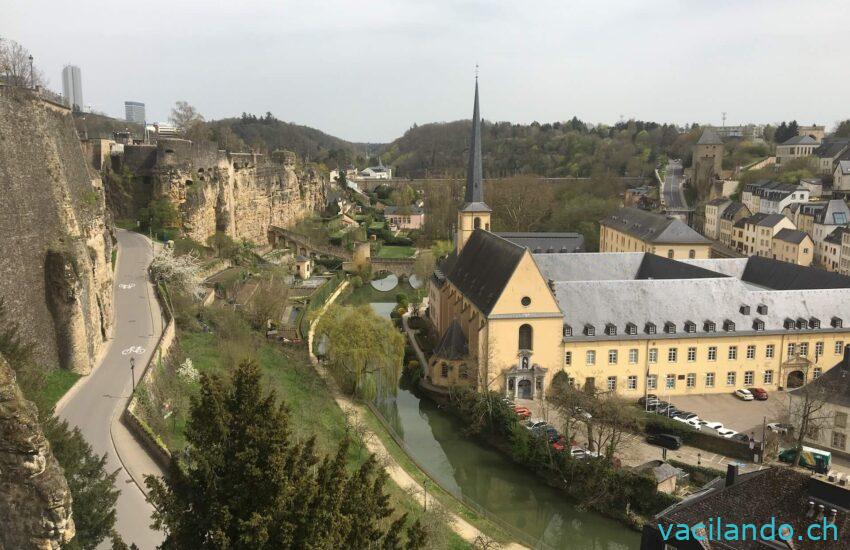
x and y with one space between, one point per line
738 415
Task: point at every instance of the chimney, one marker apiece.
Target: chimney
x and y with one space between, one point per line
731 474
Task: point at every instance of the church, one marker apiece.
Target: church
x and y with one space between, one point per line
511 310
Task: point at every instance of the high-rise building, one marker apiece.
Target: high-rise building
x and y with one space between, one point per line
134 111
72 87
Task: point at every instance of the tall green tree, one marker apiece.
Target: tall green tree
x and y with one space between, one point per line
243 483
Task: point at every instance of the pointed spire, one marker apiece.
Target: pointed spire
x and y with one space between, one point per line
474 172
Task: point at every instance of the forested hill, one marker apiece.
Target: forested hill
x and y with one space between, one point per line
559 149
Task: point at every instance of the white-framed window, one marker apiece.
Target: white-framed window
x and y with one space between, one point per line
749 377
670 381
804 349
568 358
652 382
751 352
709 380
631 382
672 355
819 349
712 353
839 440
612 383
692 354
653 355
792 349
590 357
768 376
633 356
730 378
733 352
691 380
612 357
839 347
816 372
768 351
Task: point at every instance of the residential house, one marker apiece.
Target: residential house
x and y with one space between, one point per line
379 172
834 214
713 210
665 474
831 249
829 153
803 215
770 197
405 217
793 246
778 504
303 266
633 230
844 257
753 236
734 212
796 147
814 131
815 187
841 176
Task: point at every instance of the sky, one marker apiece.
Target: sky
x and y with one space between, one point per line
368 70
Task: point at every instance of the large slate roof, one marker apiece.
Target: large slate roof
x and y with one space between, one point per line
844 167
836 212
547 242
411 209
732 209
453 344
800 140
651 227
794 236
659 267
831 148
777 275
762 219
709 137
483 268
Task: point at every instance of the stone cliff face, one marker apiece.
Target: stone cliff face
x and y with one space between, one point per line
55 270
239 194
35 502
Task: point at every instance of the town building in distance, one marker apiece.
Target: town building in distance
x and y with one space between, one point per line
72 87
134 111
635 230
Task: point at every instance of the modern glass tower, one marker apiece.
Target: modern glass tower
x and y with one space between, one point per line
134 111
72 87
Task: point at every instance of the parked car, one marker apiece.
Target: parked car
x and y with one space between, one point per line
582 414
760 394
686 415
780 428
726 432
559 444
741 437
665 440
534 423
522 412
649 397
548 431
711 425
695 423
744 394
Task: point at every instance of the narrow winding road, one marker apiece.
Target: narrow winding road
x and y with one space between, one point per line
96 402
672 192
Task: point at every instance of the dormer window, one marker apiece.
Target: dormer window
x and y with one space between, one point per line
690 327
568 330
758 325
611 329
729 325
814 322
709 326
789 324
649 328
670 327
589 330
745 310
836 322
631 328
762 309
802 323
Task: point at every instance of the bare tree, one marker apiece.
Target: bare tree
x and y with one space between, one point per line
268 301
808 413
189 121
16 67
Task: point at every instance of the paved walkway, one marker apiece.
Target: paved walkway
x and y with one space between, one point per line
399 475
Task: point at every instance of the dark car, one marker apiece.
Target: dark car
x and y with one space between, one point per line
744 438
549 431
760 394
665 440
649 398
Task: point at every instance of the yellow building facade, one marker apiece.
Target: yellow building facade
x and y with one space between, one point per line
635 230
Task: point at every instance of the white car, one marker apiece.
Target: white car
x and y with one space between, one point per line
780 427
744 394
711 425
535 424
726 432
694 423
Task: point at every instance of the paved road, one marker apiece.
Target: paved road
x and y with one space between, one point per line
96 402
672 193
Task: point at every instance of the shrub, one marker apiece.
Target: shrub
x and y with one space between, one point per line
356 281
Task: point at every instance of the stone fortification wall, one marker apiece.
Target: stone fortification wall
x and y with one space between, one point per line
55 234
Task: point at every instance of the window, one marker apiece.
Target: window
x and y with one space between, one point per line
839 347
840 420
525 337
568 330
444 371
804 349
729 326
758 325
589 330
818 349
611 329
690 327
672 354
749 378
526 301
691 380
650 328
670 253
709 380
612 357
816 372
709 326
839 440
792 349
590 357
670 381
670 327
712 353
538 384
653 355
730 378
633 356
568 358
652 382
692 253
476 223
692 354
768 376
751 352
631 328
631 382
768 351
733 352
612 383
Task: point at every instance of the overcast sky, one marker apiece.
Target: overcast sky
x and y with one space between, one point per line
367 70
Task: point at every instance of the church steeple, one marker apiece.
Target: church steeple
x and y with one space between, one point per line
474 214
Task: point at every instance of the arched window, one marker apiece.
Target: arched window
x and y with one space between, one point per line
526 340
670 253
692 254
476 223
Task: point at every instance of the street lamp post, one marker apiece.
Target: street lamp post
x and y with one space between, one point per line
425 489
32 75
133 372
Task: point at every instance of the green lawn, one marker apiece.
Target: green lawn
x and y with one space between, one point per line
376 225
396 252
366 294
56 384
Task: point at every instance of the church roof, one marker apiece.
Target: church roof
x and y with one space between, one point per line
547 242
709 137
484 267
453 344
474 197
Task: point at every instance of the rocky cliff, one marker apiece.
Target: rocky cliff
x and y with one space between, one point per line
55 233
240 194
35 502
